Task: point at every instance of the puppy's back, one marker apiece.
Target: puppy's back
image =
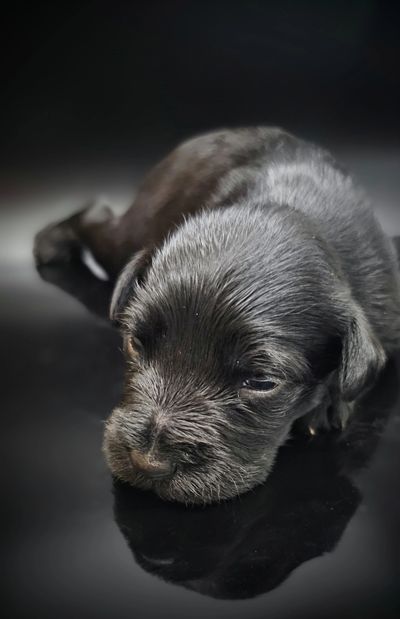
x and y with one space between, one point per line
266 166
309 180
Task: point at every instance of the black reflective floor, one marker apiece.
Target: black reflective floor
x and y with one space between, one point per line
319 539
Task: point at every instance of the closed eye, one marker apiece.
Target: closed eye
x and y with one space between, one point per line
259 384
192 454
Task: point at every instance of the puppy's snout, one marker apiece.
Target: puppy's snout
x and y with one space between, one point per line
153 469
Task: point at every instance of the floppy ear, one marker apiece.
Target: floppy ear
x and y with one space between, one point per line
362 355
131 275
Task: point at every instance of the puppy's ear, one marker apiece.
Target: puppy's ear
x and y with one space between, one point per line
362 355
131 275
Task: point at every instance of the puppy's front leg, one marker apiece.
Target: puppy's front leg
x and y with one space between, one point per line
332 413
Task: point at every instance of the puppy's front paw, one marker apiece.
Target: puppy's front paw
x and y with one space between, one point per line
332 414
339 413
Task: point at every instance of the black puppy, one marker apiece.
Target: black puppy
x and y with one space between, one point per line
261 292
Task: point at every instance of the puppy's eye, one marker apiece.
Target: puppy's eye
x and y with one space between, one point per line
132 346
259 384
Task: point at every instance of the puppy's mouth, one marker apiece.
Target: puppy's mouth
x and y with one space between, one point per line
139 480
155 482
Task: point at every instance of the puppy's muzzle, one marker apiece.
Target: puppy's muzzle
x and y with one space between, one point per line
153 469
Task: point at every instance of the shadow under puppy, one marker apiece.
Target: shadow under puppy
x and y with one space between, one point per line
262 293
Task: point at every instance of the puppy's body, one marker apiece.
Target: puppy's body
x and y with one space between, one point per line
257 262
267 167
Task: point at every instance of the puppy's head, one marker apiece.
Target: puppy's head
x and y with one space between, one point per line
230 331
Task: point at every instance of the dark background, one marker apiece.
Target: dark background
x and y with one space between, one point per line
96 80
92 94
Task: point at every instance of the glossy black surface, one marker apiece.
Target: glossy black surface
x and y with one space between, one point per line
319 538
93 93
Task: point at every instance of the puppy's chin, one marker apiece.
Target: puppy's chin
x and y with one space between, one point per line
193 489
200 487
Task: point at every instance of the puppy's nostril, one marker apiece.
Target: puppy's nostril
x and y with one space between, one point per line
152 469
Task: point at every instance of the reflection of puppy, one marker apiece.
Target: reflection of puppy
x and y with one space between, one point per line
239 549
275 299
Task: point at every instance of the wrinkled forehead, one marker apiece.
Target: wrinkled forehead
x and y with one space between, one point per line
186 313
199 323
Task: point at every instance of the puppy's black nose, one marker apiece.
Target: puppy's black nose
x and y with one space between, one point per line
154 469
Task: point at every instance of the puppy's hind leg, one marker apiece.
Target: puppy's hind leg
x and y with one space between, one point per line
90 228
